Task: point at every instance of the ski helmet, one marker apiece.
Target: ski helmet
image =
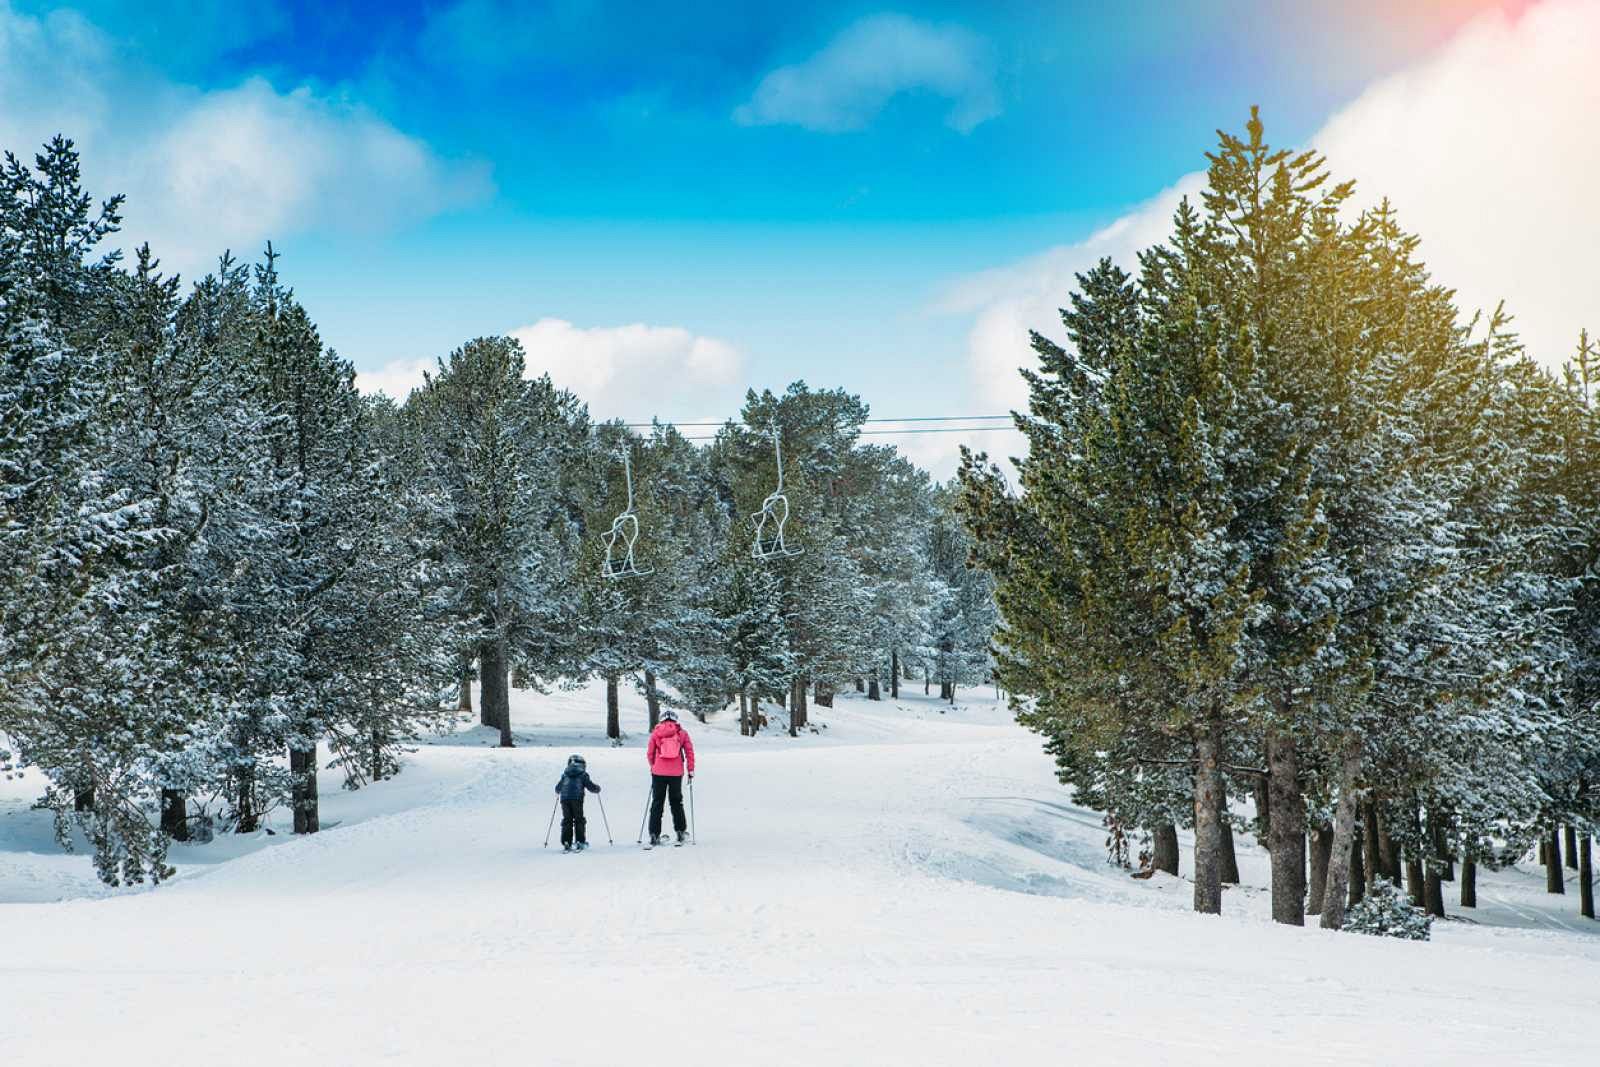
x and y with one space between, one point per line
669 716
576 759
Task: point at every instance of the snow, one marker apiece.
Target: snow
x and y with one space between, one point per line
905 886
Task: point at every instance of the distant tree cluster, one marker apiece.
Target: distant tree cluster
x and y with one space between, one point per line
1291 530
222 568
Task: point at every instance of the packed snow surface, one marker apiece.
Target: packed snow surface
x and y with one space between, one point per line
904 886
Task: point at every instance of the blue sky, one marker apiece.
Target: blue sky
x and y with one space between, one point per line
798 184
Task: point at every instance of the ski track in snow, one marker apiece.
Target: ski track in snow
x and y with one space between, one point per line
903 886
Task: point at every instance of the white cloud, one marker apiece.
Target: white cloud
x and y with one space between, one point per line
631 372
940 453
1010 301
846 84
1487 150
397 379
636 371
209 170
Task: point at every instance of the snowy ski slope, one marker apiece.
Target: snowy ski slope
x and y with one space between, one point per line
904 887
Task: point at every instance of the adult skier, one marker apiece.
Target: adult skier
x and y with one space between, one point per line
670 754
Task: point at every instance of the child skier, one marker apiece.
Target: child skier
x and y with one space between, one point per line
574 780
670 754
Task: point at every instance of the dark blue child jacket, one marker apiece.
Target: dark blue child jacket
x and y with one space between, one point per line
572 784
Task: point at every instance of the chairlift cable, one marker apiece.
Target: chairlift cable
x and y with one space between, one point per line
898 433
919 418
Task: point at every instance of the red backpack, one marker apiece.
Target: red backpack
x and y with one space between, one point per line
670 746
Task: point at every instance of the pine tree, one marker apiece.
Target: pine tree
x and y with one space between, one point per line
503 451
71 533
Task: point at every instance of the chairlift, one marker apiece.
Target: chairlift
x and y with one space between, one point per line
624 534
773 516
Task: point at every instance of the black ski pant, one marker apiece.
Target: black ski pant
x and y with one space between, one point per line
573 822
663 786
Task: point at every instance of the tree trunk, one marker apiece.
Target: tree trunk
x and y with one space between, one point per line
652 698
1371 841
1585 879
375 768
494 690
613 708
464 701
1207 824
824 695
1287 829
1165 857
1433 889
1414 879
1261 794
861 686
174 815
1441 848
492 673
1227 858
1321 850
1572 847
1554 880
926 682
1388 852
799 713
1358 873
894 680
1469 882
303 788
744 713
249 819
873 692
1344 825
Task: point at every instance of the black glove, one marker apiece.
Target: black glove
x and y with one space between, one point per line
691 776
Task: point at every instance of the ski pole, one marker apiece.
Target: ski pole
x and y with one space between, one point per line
552 825
691 809
643 817
601 801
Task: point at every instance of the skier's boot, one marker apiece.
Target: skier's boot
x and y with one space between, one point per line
683 835
566 846
582 845
655 839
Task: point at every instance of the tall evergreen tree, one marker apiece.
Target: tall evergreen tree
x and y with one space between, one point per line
502 450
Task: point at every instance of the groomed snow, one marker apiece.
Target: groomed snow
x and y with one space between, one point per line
905 887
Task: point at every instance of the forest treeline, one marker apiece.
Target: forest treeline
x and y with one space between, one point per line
221 565
1293 530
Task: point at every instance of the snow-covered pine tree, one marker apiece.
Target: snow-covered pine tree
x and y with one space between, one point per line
689 520
749 602
1118 557
504 451
960 619
824 596
882 505
402 663
226 612
320 473
625 623
71 537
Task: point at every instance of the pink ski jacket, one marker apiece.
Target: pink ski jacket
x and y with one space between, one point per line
664 756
